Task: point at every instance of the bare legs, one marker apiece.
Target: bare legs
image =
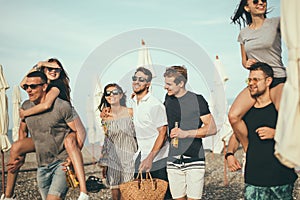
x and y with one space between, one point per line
116 195
73 144
18 148
239 108
275 94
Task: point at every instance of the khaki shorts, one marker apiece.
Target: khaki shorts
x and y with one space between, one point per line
186 180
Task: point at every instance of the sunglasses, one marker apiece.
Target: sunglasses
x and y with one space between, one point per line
139 79
32 86
254 80
113 92
256 1
58 70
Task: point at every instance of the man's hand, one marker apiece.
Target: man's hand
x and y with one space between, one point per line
15 165
265 133
146 164
67 162
233 163
177 133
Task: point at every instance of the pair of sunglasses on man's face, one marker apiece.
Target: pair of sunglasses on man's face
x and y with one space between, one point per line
32 86
113 92
139 79
256 1
57 70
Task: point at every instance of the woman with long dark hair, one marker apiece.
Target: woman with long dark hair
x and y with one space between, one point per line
260 41
120 143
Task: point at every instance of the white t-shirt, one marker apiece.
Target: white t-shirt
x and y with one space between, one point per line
148 115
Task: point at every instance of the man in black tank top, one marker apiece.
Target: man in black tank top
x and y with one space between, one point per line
265 176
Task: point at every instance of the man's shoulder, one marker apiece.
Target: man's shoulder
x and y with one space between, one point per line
60 103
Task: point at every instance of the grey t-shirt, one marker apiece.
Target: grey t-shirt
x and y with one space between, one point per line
264 44
48 131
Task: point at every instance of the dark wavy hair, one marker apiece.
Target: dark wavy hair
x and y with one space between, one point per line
104 103
65 90
241 16
263 67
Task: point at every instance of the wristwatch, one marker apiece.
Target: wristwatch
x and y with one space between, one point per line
228 154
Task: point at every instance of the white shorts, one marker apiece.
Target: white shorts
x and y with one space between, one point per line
186 181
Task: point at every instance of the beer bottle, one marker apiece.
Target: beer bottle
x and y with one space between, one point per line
175 139
71 178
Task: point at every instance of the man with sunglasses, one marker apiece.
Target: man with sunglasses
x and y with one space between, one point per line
150 121
48 131
265 176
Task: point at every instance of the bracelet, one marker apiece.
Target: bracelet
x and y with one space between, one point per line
228 154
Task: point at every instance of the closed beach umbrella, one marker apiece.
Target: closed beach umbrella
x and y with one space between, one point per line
5 144
16 99
144 59
287 136
218 64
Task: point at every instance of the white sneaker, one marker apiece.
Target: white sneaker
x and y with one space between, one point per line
83 196
6 198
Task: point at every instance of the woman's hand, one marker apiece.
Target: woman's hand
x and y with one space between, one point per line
105 113
22 114
250 62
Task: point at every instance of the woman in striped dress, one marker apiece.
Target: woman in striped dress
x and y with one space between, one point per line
120 143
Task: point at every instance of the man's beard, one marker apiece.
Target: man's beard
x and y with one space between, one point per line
141 90
258 94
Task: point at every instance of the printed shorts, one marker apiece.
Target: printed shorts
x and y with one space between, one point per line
283 192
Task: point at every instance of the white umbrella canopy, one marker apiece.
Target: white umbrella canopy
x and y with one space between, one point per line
16 99
5 144
144 59
287 136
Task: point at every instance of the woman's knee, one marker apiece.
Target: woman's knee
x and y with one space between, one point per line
15 149
233 117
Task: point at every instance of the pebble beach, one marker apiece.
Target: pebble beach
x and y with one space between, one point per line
218 185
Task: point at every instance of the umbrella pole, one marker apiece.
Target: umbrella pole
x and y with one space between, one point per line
3 173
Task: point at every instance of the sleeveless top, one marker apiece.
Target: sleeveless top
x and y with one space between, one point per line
120 143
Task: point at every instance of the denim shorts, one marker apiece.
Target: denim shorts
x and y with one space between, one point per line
282 192
51 179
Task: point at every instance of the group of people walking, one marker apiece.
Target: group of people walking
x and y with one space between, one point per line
163 138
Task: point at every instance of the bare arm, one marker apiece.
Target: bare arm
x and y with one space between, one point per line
245 61
160 140
50 97
25 77
233 163
208 128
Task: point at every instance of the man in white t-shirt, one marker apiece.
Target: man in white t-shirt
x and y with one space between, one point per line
150 121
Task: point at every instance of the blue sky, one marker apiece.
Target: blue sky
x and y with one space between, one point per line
71 30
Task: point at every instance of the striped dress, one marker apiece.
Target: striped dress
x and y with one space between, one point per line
118 150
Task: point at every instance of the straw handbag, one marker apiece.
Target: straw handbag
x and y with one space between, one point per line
144 189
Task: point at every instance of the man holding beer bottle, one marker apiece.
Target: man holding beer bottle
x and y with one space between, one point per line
189 120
